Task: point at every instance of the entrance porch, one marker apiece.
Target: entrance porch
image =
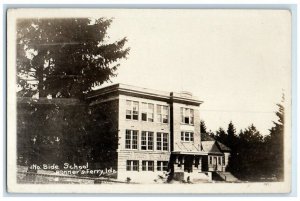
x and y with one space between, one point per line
188 167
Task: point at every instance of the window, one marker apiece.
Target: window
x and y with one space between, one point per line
192 116
223 160
162 165
159 115
128 109
187 136
132 110
132 165
187 116
147 112
144 111
162 114
165 114
148 165
147 140
162 141
131 139
150 112
219 160
210 160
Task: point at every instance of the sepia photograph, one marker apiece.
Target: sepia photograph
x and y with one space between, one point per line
149 100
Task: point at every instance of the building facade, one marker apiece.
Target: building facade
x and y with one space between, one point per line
156 133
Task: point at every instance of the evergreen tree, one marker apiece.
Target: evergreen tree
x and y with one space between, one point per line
275 145
246 161
222 136
231 132
202 127
251 135
212 134
65 57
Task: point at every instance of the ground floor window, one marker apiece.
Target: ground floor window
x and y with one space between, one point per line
132 165
162 142
148 165
162 165
147 140
216 160
131 139
210 160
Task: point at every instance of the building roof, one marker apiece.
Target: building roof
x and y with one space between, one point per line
183 97
223 147
207 137
210 147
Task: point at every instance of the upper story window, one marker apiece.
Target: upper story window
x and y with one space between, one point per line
132 110
162 141
147 140
187 136
131 139
187 116
147 112
162 114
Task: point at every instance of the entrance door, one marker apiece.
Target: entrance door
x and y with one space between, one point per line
188 163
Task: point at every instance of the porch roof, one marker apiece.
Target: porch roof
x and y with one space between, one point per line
198 153
187 147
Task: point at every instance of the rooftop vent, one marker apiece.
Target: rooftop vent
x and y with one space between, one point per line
186 94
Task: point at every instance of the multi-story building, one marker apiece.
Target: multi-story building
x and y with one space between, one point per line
155 132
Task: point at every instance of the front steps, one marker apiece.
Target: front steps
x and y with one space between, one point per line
224 176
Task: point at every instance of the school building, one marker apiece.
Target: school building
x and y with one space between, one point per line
157 133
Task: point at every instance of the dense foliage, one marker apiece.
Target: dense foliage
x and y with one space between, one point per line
65 131
52 133
254 156
65 57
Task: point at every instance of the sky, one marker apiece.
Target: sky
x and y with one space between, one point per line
237 62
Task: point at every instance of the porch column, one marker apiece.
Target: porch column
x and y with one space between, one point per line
176 159
182 163
194 164
200 163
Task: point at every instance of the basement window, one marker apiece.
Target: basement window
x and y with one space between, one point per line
132 165
148 166
162 165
